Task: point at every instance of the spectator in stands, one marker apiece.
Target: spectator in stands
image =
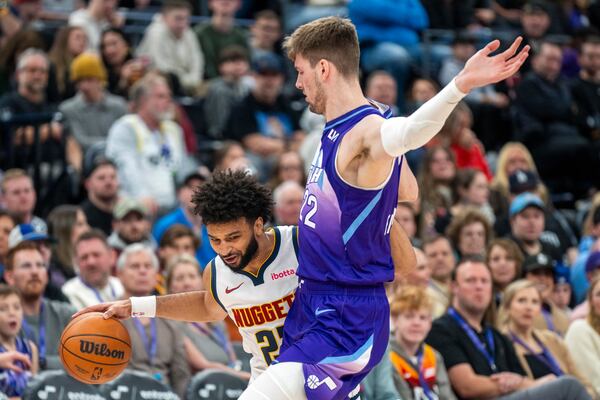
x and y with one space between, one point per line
265 34
123 70
264 121
464 143
10 52
470 232
220 32
183 215
540 352
436 179
69 42
583 337
95 18
90 114
504 259
176 241
20 198
172 46
288 198
513 156
102 186
389 36
535 23
441 262
131 224
289 167
589 240
44 319
544 115
460 15
148 147
406 216
65 224
541 270
7 223
20 15
166 361
95 261
527 221
30 98
231 155
481 362
422 90
226 90
472 192
381 86
592 270
586 89
13 381
411 313
562 294
207 345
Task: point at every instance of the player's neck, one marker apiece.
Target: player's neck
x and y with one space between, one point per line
265 247
348 96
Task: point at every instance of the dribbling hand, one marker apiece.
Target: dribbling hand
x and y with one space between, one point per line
482 69
117 309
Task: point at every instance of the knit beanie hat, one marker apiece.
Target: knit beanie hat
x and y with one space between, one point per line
87 65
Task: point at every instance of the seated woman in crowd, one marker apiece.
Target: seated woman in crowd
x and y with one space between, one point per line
15 375
207 345
436 178
504 259
123 70
419 370
540 352
65 224
470 232
289 167
583 337
69 42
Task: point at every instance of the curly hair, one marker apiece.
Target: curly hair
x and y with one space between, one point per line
231 195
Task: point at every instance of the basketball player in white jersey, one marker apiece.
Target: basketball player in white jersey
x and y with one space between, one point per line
253 278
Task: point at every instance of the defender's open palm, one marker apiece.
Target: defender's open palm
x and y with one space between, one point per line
116 309
482 69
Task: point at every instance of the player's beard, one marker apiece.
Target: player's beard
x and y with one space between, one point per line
247 256
318 105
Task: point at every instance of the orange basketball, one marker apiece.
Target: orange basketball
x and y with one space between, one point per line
93 349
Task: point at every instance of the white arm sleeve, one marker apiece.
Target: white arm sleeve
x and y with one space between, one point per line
401 134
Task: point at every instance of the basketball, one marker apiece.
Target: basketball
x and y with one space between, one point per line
93 349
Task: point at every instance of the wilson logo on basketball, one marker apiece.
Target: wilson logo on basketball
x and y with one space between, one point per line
98 349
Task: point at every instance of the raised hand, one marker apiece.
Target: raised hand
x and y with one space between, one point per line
8 361
482 69
117 309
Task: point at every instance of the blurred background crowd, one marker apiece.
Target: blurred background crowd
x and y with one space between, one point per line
113 111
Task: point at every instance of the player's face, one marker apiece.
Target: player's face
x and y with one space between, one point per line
412 326
473 287
235 242
311 87
11 315
525 307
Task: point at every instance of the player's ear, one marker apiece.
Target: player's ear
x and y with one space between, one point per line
323 68
259 226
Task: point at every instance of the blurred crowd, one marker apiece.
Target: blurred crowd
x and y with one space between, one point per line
113 112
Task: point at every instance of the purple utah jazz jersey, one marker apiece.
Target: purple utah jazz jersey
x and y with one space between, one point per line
344 231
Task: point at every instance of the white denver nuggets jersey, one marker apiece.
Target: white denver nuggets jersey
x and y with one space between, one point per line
258 304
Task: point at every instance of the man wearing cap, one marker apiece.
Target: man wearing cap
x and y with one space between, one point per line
541 270
527 221
102 186
173 47
592 269
131 224
264 121
43 319
184 216
91 112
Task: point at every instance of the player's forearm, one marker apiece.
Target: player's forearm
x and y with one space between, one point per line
403 254
399 135
188 306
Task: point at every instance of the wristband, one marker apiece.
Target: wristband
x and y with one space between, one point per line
143 306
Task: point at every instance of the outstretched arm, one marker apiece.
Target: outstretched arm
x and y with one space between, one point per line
197 306
399 135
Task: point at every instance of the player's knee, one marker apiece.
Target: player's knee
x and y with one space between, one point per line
283 381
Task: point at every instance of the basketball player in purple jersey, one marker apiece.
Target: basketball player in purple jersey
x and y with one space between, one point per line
338 326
